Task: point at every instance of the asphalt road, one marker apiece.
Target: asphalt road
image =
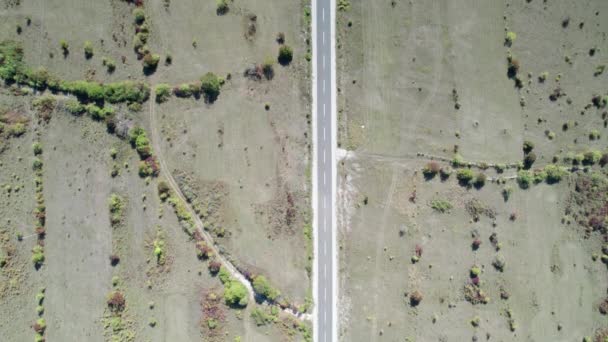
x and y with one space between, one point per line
322 52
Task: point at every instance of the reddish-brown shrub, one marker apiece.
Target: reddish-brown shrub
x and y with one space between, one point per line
116 301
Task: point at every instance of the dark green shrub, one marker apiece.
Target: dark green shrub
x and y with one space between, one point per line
285 55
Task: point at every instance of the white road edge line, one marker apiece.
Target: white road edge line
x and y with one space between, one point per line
334 234
315 199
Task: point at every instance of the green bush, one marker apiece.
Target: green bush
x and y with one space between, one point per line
109 64
64 46
142 145
162 92
524 178
464 176
16 129
555 173
285 54
210 86
38 255
88 49
591 157
74 107
126 91
263 288
37 164
441 206
457 161
236 294
261 317
480 180
224 275
150 62
510 37
37 148
116 204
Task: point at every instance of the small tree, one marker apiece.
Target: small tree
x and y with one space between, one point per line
235 294
285 55
263 288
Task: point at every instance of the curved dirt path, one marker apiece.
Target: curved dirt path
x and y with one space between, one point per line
164 170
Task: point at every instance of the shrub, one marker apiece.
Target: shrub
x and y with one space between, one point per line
415 298
64 47
441 206
506 193
162 92
475 271
529 159
480 180
431 169
235 294
528 146
510 38
150 62
268 68
555 173
40 326
604 159
183 90
263 288
139 15
74 107
142 145
37 164
37 148
260 317
285 55
116 301
163 190
126 91
203 251
109 64
88 49
592 157
499 263
116 205
222 7
464 176
16 129
524 179
457 161
214 266
37 256
210 86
